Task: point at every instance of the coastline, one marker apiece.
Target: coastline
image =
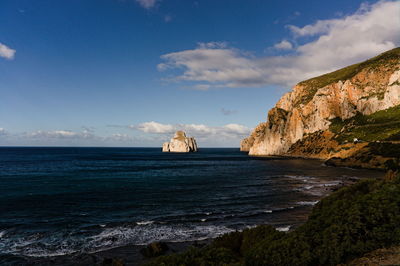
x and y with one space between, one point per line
132 255
129 255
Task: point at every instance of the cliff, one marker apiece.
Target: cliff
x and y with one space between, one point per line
314 105
180 143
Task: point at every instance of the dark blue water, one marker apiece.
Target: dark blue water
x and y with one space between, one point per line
56 201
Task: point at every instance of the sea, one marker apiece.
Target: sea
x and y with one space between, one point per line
62 200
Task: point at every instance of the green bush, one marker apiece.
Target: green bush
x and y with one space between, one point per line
350 222
210 256
353 221
292 249
251 237
154 249
383 125
242 242
231 241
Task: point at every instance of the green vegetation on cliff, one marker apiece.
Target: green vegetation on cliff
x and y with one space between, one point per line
380 126
388 59
342 226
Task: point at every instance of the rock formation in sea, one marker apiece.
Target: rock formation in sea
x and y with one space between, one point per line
313 105
180 143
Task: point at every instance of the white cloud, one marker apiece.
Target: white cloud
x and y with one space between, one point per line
218 65
86 137
196 130
155 134
6 52
88 128
335 43
120 138
153 127
3 132
60 134
283 45
147 3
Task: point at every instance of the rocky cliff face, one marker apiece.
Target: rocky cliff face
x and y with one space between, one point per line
180 143
310 107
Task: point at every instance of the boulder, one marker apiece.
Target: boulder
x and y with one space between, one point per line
180 143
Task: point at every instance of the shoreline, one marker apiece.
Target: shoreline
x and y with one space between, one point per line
331 162
131 254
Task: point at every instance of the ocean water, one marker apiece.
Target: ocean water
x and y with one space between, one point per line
56 201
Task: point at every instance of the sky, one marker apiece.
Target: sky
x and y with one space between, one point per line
131 72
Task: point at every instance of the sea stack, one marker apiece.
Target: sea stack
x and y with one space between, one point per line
180 143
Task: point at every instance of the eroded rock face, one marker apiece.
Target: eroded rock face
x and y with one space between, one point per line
246 144
307 109
180 143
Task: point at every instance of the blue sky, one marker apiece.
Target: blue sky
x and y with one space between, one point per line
130 72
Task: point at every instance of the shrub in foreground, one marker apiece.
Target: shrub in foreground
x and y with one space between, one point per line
348 223
154 249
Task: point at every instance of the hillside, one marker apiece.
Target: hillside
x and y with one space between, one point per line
387 60
321 117
377 145
343 226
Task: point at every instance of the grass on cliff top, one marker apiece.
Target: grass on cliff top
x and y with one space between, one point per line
313 84
380 126
345 225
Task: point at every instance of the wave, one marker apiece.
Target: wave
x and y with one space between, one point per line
144 222
51 244
283 228
283 209
317 188
300 177
307 203
143 235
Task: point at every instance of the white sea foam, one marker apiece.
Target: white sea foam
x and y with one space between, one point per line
268 211
309 203
330 184
251 226
56 244
283 229
37 246
2 233
142 235
203 220
300 177
144 222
